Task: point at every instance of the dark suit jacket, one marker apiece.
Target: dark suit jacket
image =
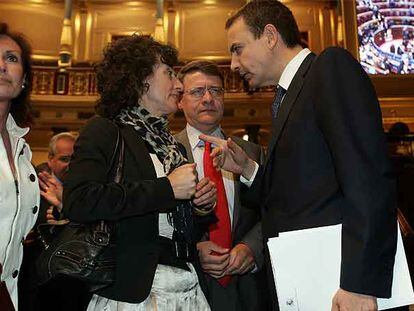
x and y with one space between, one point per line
246 228
134 204
327 164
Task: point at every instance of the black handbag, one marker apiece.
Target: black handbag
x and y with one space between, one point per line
82 251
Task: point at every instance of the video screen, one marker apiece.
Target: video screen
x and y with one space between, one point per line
386 36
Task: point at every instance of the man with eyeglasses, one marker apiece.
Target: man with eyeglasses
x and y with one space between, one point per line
231 249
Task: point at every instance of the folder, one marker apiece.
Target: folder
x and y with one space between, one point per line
306 268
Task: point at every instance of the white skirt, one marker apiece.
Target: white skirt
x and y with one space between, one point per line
173 289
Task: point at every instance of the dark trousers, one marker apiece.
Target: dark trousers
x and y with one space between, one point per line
244 293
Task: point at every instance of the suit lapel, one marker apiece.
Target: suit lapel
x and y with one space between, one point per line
287 104
182 138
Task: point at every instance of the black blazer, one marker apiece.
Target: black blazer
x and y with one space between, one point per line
327 164
134 204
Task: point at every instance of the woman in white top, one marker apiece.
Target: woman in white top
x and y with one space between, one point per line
19 190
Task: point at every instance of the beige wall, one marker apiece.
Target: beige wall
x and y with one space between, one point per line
39 155
195 27
42 24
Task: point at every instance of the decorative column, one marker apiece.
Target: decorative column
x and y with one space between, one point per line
159 22
65 54
173 24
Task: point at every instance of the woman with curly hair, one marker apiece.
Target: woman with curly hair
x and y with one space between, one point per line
19 190
154 248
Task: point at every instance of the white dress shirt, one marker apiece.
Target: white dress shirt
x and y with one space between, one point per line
285 80
197 148
292 68
165 229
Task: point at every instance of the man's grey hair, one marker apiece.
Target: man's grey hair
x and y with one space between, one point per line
55 138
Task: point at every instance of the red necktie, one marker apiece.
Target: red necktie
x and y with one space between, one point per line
220 232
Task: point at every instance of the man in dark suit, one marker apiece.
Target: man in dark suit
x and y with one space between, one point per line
326 162
202 104
53 172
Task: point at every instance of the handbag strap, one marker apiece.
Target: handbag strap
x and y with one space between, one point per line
120 145
103 225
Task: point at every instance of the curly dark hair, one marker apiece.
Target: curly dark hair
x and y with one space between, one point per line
121 75
258 13
20 107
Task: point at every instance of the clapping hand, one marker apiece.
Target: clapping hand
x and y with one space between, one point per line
51 219
50 189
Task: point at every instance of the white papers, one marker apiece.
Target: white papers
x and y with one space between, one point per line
306 269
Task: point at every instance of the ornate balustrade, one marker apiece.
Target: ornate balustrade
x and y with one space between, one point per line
81 81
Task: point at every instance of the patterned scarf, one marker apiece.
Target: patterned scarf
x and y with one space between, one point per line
154 131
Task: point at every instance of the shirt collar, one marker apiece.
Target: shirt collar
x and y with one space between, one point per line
292 67
14 129
193 134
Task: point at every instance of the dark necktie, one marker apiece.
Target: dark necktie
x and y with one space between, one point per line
278 99
220 232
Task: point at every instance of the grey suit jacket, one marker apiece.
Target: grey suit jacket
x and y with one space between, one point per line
246 226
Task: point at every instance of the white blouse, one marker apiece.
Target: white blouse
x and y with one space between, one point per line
19 204
165 229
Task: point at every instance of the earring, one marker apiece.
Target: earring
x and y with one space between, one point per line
23 86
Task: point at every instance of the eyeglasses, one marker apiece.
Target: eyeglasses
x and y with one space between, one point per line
198 92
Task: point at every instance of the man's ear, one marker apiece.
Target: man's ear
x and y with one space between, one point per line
270 35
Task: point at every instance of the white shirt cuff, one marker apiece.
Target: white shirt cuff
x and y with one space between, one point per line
248 182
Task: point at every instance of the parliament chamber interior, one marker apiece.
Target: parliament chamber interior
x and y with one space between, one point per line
68 37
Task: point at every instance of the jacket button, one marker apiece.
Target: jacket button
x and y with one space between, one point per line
15 274
32 178
35 208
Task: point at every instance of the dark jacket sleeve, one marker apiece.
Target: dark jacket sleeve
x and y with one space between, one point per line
253 237
90 194
349 117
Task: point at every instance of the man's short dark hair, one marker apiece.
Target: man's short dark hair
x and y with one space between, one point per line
258 13
204 66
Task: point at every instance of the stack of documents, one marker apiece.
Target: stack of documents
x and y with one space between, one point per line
306 267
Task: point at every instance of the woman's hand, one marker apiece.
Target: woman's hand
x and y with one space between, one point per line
183 181
205 195
50 218
50 189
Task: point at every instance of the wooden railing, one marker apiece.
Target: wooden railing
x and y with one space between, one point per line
48 80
